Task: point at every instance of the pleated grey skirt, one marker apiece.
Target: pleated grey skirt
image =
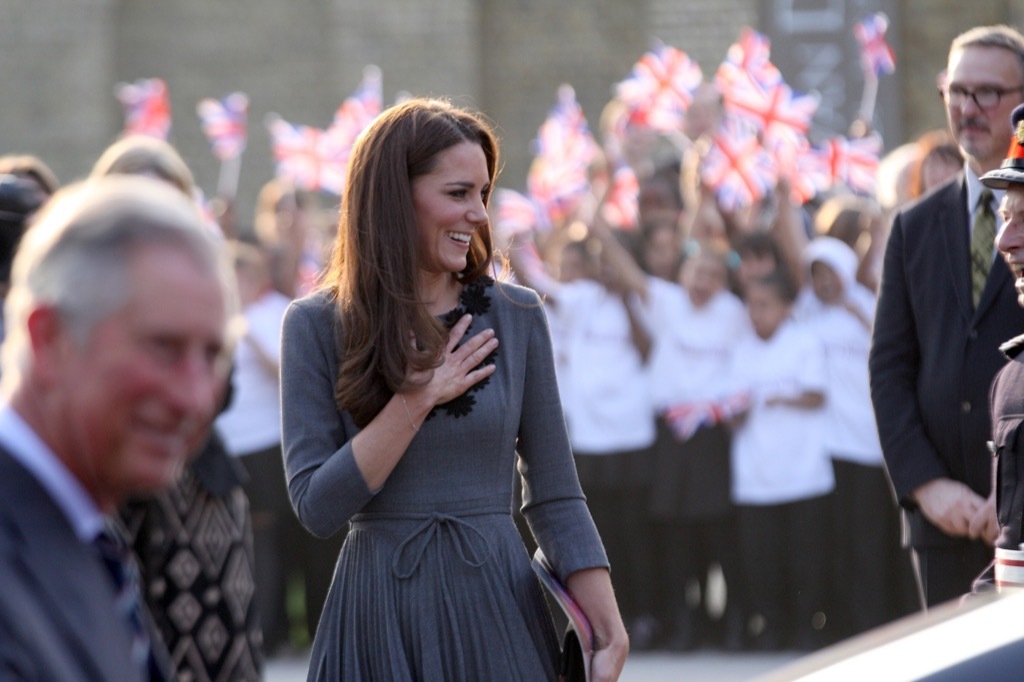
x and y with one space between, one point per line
434 597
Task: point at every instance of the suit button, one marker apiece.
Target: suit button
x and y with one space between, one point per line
973 336
965 406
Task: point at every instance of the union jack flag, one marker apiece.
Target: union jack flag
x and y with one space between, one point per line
876 55
516 214
298 151
558 186
779 114
621 207
315 159
807 172
786 150
225 123
558 179
737 167
660 87
147 107
365 103
750 54
351 118
853 162
335 148
565 130
686 419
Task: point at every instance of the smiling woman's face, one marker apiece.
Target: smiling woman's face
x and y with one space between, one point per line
450 204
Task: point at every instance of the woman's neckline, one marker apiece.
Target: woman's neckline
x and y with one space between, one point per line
450 305
442 295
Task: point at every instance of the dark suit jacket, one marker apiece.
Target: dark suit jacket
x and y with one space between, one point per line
57 616
933 356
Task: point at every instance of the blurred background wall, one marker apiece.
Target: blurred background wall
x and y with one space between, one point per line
61 59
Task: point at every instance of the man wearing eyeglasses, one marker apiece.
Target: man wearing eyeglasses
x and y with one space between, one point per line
945 305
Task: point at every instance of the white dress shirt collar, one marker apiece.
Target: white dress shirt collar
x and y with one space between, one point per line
974 189
32 453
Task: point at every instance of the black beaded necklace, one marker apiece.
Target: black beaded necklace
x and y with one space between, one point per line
475 299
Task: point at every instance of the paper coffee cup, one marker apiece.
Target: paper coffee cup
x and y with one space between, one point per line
1009 569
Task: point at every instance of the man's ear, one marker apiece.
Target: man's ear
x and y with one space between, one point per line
47 335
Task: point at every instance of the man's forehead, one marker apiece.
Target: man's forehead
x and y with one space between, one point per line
987 57
173 277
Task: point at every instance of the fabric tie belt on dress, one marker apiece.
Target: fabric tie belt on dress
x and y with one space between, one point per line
471 545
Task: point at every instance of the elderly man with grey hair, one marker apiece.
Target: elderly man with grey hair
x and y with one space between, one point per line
118 343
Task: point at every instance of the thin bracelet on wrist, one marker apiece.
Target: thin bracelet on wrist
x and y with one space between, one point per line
408 413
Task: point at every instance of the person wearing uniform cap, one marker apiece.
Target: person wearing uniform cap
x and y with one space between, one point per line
943 309
1007 395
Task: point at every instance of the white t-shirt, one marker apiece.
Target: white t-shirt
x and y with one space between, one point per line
559 331
778 454
850 433
692 346
253 420
605 398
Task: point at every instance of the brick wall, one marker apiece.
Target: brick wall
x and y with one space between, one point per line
62 59
703 30
57 79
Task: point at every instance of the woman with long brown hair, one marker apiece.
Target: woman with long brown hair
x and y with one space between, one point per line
403 416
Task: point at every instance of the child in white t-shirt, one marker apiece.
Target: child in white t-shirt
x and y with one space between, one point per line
697 325
603 345
781 472
867 559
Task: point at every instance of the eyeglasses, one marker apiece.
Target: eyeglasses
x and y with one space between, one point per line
986 97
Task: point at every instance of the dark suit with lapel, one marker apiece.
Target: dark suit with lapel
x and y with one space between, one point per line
57 616
933 358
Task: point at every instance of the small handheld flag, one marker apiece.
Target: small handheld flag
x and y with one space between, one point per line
225 123
147 107
660 88
876 55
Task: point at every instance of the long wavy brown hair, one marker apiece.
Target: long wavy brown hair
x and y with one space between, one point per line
374 269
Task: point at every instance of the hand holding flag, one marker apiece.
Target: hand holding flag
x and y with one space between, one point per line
315 159
620 207
876 57
737 167
559 174
225 123
351 118
754 92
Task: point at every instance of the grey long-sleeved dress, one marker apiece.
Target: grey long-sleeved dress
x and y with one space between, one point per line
433 582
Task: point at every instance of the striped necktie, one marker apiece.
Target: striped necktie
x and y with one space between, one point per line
124 571
982 242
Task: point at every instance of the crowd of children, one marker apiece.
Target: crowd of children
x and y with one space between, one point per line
712 366
713 370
